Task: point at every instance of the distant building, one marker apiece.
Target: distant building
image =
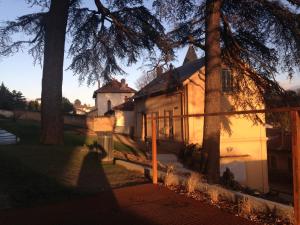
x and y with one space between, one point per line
125 119
39 101
112 94
82 109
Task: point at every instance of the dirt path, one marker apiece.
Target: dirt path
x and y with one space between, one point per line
143 204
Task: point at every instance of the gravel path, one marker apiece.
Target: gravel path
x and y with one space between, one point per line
144 204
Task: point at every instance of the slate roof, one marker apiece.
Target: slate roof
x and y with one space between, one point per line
190 55
114 86
126 106
171 79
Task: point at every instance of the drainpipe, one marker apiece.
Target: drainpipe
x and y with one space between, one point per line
182 119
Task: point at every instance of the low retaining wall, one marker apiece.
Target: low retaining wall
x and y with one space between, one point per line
257 204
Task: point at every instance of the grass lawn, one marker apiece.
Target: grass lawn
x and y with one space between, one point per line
32 174
122 147
29 132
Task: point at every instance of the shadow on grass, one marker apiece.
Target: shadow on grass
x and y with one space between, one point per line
122 147
33 175
25 187
97 203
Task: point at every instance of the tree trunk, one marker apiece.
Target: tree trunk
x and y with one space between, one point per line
52 117
213 66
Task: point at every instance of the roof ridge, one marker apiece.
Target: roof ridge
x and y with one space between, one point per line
179 74
114 86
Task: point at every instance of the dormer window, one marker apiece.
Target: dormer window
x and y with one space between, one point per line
227 81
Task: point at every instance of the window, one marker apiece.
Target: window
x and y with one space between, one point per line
227 81
108 105
125 99
155 116
168 123
148 123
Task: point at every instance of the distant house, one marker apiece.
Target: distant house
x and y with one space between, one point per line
180 91
82 109
125 119
39 101
112 94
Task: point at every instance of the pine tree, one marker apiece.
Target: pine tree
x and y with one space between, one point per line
6 100
67 106
100 38
11 100
19 101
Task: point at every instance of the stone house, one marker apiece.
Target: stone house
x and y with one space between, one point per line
180 91
112 94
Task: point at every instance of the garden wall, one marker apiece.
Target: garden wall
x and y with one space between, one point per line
104 123
27 115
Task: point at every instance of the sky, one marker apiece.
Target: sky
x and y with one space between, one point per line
19 73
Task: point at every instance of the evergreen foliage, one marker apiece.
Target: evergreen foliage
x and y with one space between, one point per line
259 39
100 38
11 100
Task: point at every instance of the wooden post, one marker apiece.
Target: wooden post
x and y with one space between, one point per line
154 152
295 121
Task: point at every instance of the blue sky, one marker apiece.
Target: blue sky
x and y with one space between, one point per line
19 73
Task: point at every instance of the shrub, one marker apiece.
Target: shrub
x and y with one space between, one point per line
188 155
228 181
192 182
171 179
244 207
214 195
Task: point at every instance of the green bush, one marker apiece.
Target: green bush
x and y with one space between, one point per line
228 180
190 155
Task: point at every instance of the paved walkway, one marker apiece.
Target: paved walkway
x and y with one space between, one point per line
139 205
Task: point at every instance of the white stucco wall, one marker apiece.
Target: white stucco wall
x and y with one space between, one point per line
115 98
125 121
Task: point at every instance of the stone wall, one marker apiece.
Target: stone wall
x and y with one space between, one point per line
73 120
96 124
102 123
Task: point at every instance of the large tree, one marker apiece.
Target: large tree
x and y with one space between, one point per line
100 37
254 38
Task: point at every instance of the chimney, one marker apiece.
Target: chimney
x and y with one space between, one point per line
171 67
159 71
190 55
123 83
